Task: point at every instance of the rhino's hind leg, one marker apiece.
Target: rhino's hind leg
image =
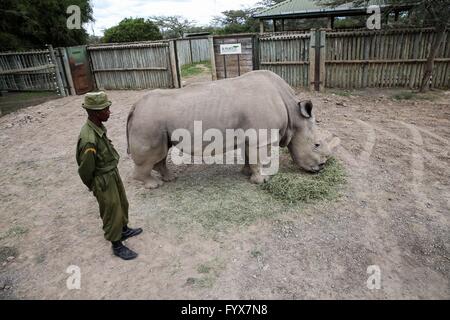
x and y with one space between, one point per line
161 167
246 170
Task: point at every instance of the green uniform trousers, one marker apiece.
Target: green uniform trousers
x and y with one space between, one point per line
112 200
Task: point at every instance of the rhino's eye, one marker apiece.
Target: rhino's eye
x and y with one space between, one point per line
316 145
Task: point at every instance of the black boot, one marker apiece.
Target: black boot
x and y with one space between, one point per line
129 232
123 252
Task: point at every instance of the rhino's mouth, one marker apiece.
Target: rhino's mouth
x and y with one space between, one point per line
318 168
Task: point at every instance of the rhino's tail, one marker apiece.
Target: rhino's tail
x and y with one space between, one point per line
130 116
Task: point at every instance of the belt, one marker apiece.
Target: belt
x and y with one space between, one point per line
105 170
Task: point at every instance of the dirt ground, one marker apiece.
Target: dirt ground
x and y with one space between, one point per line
213 235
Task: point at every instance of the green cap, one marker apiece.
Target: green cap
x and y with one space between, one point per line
96 101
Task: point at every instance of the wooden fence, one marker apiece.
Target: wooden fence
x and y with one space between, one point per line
192 50
38 70
385 58
354 59
139 65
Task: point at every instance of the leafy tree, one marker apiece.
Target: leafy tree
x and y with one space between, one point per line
132 29
172 26
424 13
236 21
28 24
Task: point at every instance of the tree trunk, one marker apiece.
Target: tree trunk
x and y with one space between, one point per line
440 32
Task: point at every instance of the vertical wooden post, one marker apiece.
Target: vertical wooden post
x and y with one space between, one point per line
261 26
255 52
331 23
225 65
66 64
282 24
190 51
174 66
59 81
367 45
213 57
274 25
322 61
312 58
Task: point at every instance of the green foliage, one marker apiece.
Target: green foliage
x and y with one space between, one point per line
133 29
236 21
410 95
32 24
189 70
173 26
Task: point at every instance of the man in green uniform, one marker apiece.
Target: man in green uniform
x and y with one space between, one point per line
97 166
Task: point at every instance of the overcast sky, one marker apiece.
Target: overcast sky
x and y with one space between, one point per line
108 13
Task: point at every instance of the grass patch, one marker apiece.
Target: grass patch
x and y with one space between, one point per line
193 69
342 93
210 271
6 252
411 95
13 232
12 101
214 199
293 186
255 253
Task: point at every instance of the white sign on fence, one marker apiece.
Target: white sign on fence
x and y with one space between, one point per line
234 48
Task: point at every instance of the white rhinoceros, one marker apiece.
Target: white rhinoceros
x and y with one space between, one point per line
256 100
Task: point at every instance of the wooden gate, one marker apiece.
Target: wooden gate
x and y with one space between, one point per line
80 69
229 62
135 65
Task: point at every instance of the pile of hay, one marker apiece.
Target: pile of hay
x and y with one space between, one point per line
293 185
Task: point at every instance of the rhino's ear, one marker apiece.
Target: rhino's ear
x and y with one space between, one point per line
306 108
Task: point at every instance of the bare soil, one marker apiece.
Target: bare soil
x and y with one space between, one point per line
213 235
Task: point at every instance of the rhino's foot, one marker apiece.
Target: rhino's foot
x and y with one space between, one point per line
258 179
246 170
153 183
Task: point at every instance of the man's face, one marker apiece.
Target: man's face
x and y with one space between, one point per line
103 115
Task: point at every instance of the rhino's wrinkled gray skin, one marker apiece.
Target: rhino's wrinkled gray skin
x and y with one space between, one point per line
258 100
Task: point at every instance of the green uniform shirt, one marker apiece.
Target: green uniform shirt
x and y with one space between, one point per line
95 153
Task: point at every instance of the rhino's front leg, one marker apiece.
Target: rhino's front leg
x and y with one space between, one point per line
246 168
161 167
256 176
253 170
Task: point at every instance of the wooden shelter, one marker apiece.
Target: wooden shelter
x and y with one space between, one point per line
284 12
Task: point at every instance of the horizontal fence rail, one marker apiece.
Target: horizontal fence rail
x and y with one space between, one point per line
132 66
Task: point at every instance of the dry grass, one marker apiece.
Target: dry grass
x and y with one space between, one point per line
292 186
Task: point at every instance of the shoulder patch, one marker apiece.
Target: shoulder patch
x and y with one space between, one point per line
90 150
